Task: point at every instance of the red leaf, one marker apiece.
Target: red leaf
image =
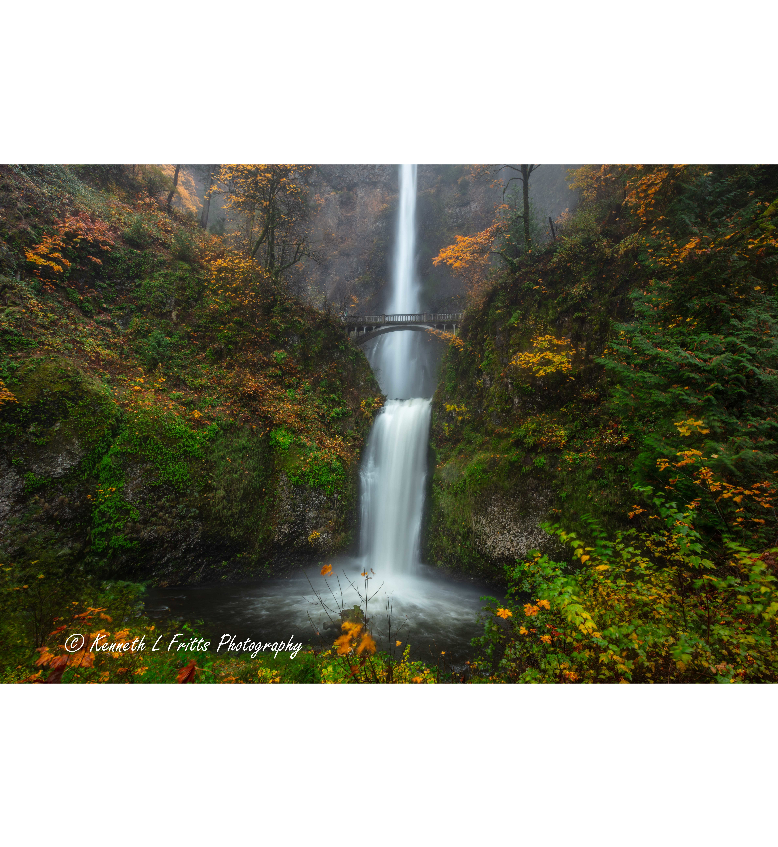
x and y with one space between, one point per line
187 673
58 668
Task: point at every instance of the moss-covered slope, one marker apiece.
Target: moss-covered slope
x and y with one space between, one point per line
167 411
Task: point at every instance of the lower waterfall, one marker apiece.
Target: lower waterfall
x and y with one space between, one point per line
392 480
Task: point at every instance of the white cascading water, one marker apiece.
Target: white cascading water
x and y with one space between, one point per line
395 463
405 290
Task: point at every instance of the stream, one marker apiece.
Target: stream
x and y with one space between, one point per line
430 611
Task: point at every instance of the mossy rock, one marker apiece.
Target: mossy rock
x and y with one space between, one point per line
60 417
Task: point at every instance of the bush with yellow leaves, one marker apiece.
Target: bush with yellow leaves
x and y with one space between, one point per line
547 355
641 607
5 395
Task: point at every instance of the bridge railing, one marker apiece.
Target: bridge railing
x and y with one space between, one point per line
415 318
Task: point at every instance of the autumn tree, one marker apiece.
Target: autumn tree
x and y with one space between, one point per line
469 259
272 203
470 256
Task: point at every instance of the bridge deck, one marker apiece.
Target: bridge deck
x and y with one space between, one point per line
363 327
417 318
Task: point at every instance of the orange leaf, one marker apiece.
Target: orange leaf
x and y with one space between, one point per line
82 659
366 645
343 643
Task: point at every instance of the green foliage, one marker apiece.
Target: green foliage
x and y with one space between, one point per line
156 292
33 482
514 244
242 478
105 176
703 343
111 511
184 247
166 440
281 439
138 234
33 594
176 286
639 607
155 349
57 404
663 280
125 263
317 469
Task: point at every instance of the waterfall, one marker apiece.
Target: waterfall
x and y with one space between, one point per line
395 358
393 475
405 290
395 463
432 612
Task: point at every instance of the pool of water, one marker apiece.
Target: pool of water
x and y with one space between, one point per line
431 611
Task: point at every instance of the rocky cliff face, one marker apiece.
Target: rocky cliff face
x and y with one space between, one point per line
354 215
355 212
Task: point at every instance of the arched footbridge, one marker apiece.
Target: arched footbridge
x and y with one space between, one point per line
363 328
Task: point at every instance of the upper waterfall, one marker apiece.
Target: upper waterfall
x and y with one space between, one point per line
395 358
405 291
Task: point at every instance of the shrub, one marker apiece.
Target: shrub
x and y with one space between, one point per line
642 607
137 234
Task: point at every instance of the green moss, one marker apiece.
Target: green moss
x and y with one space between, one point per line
57 405
33 482
318 471
281 439
238 499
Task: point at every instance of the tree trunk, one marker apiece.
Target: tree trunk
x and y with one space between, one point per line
173 189
270 262
207 199
526 170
